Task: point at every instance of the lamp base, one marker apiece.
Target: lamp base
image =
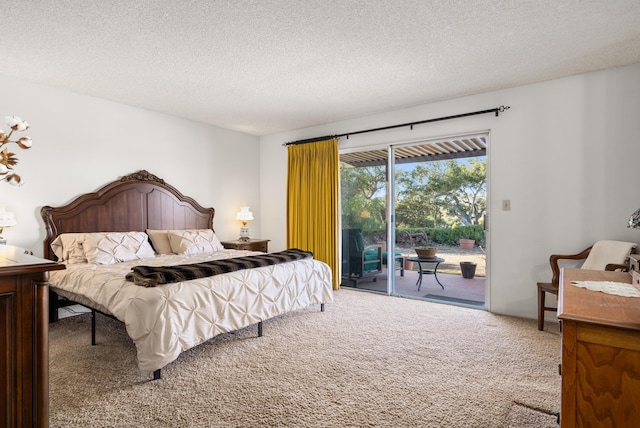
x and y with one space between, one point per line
244 234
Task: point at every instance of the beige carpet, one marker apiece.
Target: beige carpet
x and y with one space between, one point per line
368 361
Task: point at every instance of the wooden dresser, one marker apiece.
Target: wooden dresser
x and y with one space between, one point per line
24 359
600 353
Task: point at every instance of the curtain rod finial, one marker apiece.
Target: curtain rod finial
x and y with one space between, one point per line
502 109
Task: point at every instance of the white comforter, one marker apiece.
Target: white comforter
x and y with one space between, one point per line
163 321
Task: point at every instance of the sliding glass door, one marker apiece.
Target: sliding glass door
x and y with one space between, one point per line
407 197
366 260
439 209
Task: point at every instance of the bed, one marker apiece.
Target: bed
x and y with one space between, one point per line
104 236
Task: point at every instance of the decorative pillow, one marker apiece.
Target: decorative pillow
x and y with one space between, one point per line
160 241
68 248
194 241
115 247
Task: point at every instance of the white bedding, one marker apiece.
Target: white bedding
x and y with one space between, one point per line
163 321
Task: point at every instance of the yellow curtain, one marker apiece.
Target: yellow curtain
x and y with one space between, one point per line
313 202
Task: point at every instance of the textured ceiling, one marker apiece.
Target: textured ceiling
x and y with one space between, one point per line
267 66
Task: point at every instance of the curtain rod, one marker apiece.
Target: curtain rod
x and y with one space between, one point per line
496 110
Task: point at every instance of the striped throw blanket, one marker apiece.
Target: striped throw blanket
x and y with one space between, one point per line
151 276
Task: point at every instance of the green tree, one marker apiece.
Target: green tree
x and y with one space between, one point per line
431 194
362 197
441 194
417 203
463 189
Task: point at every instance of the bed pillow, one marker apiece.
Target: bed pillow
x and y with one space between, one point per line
194 241
115 247
68 248
160 241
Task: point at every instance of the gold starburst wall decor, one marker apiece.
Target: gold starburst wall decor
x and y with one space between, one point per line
8 159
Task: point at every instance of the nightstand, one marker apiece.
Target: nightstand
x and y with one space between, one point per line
250 245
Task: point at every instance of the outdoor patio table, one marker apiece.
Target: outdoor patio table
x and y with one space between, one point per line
426 270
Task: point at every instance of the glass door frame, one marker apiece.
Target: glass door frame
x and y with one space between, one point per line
391 202
391 197
391 220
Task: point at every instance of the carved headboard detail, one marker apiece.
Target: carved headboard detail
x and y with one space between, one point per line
135 202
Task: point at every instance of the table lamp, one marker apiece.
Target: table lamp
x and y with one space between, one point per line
6 220
245 216
634 220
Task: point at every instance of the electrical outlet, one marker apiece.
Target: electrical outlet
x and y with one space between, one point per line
506 205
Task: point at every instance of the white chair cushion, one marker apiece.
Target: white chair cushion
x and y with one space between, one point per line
604 252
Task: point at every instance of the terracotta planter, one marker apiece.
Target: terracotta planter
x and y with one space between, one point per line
426 253
466 244
408 265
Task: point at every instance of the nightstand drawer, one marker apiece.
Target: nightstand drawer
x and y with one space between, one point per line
250 245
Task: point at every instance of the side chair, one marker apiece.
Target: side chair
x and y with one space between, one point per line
603 255
359 261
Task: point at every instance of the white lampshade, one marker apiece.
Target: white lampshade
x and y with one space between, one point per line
244 215
6 218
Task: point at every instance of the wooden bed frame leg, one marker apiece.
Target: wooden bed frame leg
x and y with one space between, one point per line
157 374
259 328
93 327
321 307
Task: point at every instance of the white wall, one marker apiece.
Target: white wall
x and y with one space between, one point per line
81 143
565 154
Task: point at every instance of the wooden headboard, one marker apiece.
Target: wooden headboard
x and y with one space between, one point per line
136 202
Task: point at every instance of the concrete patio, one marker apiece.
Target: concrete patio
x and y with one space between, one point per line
457 290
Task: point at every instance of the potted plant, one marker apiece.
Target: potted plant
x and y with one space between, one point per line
468 269
426 252
466 244
408 264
